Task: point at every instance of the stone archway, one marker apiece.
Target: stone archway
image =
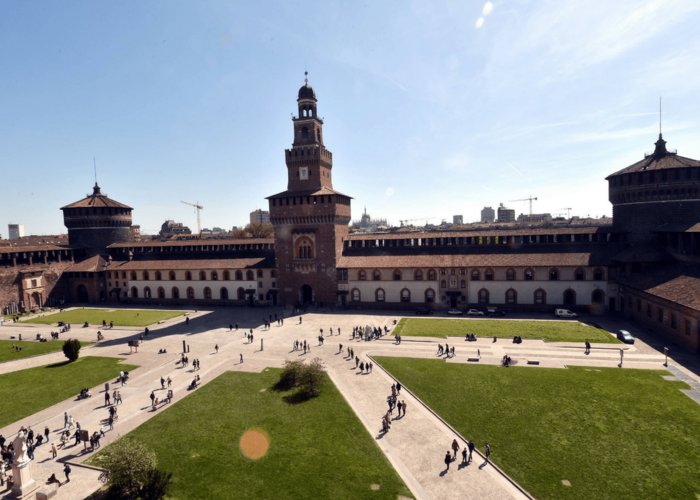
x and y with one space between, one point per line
36 300
81 293
306 295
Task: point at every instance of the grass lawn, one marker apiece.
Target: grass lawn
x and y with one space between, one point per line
27 391
318 448
94 316
611 433
29 348
552 331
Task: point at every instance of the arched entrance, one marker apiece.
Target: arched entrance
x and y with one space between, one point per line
81 293
36 300
306 295
569 297
598 297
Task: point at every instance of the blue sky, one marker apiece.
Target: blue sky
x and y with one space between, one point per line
431 108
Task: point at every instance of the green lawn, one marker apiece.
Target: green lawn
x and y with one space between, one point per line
611 433
29 348
94 316
552 331
318 448
27 391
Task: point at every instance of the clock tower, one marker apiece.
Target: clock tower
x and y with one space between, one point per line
310 218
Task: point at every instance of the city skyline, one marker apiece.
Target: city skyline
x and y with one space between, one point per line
444 110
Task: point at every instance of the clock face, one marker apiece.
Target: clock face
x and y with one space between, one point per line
303 173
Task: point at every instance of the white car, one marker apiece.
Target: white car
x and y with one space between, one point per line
454 312
565 313
475 312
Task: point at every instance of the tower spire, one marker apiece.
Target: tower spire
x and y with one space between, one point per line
659 116
306 77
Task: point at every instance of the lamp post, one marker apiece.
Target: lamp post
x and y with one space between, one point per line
666 355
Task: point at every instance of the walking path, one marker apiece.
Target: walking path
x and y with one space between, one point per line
415 445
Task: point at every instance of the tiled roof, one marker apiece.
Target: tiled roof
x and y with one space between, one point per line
191 264
660 159
94 264
476 260
31 248
312 192
678 285
96 200
197 242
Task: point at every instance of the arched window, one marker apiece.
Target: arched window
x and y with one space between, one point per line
304 248
379 295
175 292
362 275
240 293
158 276
476 275
510 274
430 295
376 275
239 275
188 276
134 292
171 276
483 297
259 273
529 274
223 293
355 295
488 274
227 275
133 275
147 292
598 274
540 297
202 275
569 297
418 275
161 292
405 295
214 276
190 292
207 293
146 276
249 275
554 274
397 275
511 296
580 274
432 275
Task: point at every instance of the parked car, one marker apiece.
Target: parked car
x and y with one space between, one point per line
625 337
475 312
565 313
494 311
424 311
455 312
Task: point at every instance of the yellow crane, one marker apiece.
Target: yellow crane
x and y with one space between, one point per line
530 199
197 208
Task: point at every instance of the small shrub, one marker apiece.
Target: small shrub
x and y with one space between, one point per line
129 466
290 375
71 349
312 378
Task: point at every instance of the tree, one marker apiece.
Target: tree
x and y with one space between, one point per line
71 349
311 378
130 466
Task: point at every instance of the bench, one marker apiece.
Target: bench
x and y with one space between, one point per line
533 362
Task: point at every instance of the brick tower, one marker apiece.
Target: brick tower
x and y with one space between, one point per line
310 218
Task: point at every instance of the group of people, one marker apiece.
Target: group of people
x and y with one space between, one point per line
467 452
394 403
446 351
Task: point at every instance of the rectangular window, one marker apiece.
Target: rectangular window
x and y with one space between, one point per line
674 321
660 315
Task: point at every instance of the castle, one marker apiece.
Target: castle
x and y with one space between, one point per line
644 266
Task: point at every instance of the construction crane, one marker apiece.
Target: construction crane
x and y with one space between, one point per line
197 208
568 211
530 199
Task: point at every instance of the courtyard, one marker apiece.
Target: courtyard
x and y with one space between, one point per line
549 425
95 316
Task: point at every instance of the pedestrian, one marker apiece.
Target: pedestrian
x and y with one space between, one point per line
448 459
399 406
216 348
230 327
107 402
464 455
398 387
455 447
588 347
403 403
46 433
153 399
54 452
471 446
261 344
241 358
487 450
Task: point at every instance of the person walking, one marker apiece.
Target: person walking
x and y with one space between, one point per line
471 446
67 471
403 404
448 459
106 398
46 433
54 452
465 452
455 448
487 450
216 348
588 347
241 358
153 398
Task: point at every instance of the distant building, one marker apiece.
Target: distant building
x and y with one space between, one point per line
458 219
15 231
367 223
505 214
535 218
488 215
171 228
259 217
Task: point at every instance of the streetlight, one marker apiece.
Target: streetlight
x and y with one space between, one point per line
666 354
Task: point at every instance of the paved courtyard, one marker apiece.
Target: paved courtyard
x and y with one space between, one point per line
415 445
